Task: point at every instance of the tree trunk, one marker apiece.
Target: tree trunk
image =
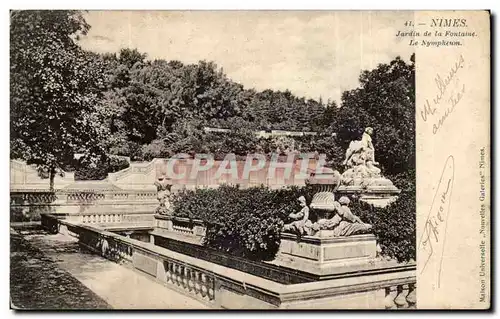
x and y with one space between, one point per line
52 174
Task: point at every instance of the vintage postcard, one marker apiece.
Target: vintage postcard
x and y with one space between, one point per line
250 160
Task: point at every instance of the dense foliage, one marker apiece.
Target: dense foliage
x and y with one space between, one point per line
86 169
171 103
247 222
393 225
54 87
242 222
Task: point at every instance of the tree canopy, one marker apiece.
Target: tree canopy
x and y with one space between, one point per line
65 100
54 86
385 101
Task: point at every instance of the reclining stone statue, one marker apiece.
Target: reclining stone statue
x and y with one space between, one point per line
361 152
361 167
343 223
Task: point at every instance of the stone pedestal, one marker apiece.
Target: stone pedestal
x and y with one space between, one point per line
325 250
378 196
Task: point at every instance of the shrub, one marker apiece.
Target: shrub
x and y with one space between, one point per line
247 222
242 222
117 163
156 149
393 225
88 170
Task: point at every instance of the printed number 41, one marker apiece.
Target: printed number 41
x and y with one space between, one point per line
409 24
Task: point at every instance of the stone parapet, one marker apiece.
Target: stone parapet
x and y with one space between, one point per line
222 287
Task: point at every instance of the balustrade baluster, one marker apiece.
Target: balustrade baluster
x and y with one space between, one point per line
190 280
168 275
185 278
390 295
211 293
174 273
179 276
412 296
204 289
400 300
197 286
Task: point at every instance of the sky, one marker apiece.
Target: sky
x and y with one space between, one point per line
311 53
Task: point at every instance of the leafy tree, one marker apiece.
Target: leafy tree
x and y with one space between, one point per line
55 86
385 101
129 57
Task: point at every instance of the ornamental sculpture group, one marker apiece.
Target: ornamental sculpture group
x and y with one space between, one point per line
334 218
341 223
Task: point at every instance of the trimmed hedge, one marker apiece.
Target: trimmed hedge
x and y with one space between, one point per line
248 222
242 222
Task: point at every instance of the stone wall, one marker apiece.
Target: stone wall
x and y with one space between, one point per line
222 287
24 176
87 205
142 174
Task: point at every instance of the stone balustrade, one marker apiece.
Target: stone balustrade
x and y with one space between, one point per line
106 244
181 226
33 196
192 280
101 218
106 205
222 287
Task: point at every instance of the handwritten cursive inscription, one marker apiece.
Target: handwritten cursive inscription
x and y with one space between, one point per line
442 105
442 84
432 241
454 100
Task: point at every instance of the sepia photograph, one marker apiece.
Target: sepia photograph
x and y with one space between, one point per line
187 160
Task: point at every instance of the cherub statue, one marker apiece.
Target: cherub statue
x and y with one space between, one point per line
301 223
328 223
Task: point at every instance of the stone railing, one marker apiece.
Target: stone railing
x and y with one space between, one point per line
195 281
30 204
106 244
100 218
113 220
223 287
34 197
179 225
70 196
